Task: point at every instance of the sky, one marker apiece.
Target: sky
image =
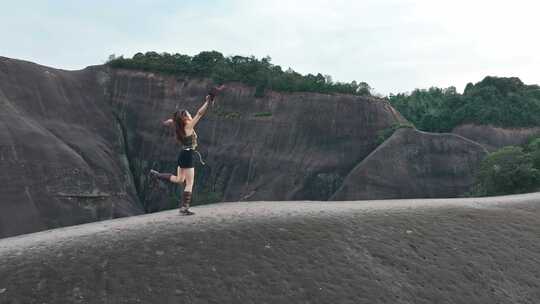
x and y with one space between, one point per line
393 45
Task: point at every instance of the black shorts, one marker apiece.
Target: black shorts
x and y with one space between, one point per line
185 159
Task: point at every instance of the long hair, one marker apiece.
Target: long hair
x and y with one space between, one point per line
179 125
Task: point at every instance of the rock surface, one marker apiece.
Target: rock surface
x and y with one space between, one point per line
415 164
296 146
76 146
61 154
494 138
477 250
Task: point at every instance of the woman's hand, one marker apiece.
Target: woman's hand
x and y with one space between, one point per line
213 93
168 122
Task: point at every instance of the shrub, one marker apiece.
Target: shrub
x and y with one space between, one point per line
262 114
507 171
384 134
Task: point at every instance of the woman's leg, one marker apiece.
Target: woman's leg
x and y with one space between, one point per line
177 179
180 177
163 176
189 174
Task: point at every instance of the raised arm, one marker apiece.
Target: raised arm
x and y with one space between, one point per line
200 113
209 98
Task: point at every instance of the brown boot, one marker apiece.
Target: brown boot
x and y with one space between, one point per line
186 202
163 176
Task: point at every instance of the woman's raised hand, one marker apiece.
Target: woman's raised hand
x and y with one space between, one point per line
168 122
221 87
214 92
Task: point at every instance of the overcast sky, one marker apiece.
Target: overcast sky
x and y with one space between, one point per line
394 45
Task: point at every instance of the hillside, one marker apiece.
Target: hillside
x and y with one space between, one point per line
76 146
478 250
413 164
494 138
62 156
281 147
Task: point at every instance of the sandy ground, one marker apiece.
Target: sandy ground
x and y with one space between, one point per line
479 250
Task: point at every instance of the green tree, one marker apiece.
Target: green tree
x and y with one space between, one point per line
505 102
364 89
506 171
261 74
204 62
533 148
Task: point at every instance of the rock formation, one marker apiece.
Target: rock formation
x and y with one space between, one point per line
414 164
280 147
494 138
477 250
62 158
76 146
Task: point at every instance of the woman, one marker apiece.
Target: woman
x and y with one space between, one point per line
185 134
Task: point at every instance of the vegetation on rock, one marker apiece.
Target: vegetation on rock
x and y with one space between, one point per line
510 170
259 73
504 102
386 133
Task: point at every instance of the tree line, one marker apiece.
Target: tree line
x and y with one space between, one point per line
499 101
259 73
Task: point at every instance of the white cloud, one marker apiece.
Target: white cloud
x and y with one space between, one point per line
395 45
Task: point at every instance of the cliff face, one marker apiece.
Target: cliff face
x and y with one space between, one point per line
76 146
415 164
494 138
61 156
280 147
